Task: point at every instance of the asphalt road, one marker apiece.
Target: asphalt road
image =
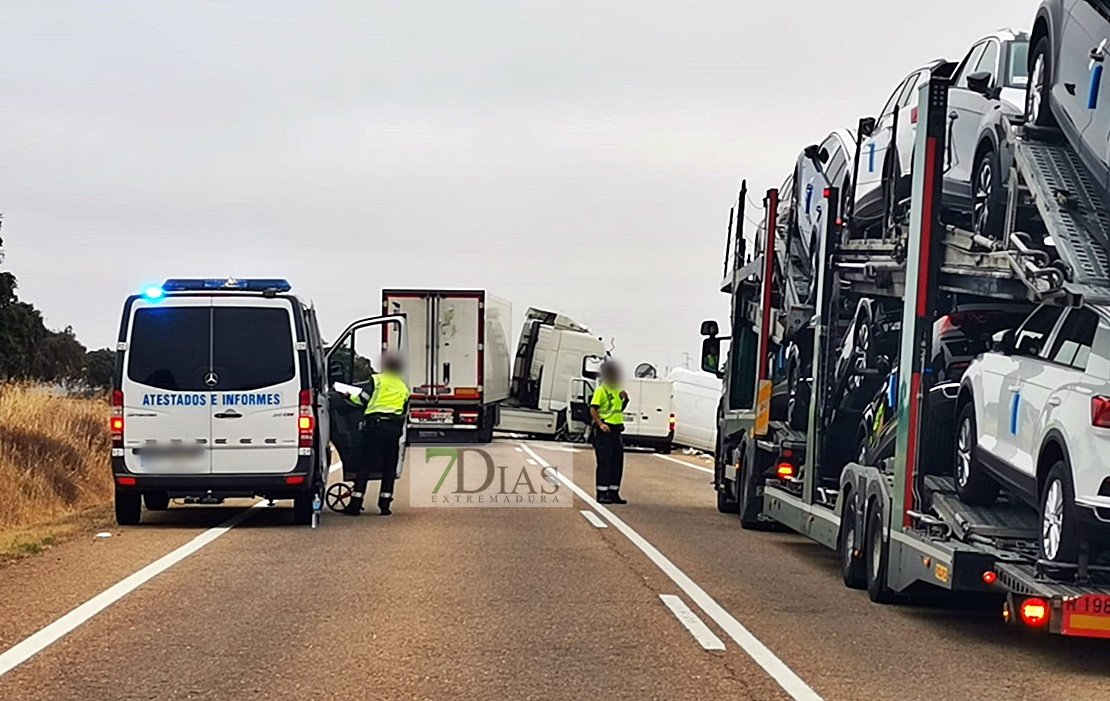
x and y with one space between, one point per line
499 603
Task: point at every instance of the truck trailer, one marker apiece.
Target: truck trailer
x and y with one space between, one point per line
798 372
458 361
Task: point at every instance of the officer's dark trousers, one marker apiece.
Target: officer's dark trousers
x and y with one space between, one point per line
609 449
381 447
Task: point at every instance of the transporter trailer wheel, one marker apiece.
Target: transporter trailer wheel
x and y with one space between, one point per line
848 547
877 558
338 496
725 503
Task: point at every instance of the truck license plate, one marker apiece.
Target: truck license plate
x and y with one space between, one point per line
1088 616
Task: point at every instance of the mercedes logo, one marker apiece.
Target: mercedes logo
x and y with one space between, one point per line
211 379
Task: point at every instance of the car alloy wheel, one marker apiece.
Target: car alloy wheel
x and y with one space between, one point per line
963 453
863 345
1035 103
984 191
1052 523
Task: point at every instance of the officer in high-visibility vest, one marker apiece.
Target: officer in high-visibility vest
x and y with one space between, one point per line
384 423
607 411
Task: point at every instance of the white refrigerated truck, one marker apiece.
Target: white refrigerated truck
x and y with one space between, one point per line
458 361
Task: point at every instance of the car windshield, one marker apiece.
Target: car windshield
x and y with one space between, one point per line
1017 71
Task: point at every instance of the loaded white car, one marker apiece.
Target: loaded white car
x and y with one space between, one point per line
1033 418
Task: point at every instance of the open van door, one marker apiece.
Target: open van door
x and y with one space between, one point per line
353 360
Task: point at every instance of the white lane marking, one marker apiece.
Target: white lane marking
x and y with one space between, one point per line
593 518
531 461
519 450
684 463
44 638
790 682
705 637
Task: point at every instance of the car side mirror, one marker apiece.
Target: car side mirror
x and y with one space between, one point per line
709 328
866 127
711 356
980 82
1003 342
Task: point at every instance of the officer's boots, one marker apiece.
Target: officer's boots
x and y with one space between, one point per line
354 508
384 504
615 497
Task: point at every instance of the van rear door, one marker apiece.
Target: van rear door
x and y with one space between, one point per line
255 386
167 427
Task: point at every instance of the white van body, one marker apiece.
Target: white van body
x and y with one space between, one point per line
649 418
696 398
211 386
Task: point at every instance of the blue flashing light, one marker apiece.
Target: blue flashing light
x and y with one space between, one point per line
229 284
153 292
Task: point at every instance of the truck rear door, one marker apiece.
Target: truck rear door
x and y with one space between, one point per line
255 386
167 424
417 309
457 360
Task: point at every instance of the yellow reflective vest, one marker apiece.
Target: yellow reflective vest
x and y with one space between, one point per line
389 396
610 406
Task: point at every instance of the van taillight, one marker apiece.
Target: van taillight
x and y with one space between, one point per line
1100 412
672 422
116 422
306 422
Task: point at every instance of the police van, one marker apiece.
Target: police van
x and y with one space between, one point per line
221 391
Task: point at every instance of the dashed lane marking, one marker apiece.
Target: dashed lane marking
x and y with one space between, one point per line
705 637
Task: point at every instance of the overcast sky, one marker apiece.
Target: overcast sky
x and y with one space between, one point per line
578 155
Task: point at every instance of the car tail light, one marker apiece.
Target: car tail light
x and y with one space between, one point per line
913 115
294 480
306 422
116 422
672 421
126 481
468 417
1100 412
1034 612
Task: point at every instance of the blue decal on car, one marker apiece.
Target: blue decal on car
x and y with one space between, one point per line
1096 83
1014 413
871 159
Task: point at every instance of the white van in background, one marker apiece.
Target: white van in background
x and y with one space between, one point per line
649 418
696 398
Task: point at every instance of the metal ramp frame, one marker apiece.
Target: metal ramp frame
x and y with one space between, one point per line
1071 206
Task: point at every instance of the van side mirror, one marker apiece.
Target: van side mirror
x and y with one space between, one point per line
709 328
980 82
866 127
711 356
1003 342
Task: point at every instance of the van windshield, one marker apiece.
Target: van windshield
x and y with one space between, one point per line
239 348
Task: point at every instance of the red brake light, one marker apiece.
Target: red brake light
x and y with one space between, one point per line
989 577
672 421
126 481
1034 612
785 470
827 193
468 417
1100 412
306 421
913 115
946 325
116 422
293 480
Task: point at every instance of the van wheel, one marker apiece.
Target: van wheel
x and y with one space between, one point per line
973 485
664 449
129 508
876 556
848 546
302 506
156 501
1059 523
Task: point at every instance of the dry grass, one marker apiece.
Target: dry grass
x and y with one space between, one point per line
54 464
